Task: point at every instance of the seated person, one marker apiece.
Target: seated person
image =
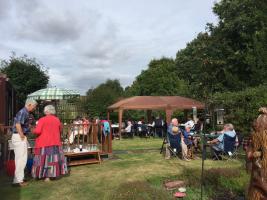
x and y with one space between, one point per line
185 142
173 127
197 128
85 122
190 123
218 143
77 129
134 127
159 126
139 125
186 135
151 127
173 138
128 128
199 125
142 128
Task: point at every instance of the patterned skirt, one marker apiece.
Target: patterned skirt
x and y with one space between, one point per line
49 162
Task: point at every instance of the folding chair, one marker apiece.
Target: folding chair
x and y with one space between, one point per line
174 143
230 148
142 130
131 133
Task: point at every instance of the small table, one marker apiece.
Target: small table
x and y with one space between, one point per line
210 136
82 158
115 129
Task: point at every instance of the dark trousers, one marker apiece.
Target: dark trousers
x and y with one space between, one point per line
159 131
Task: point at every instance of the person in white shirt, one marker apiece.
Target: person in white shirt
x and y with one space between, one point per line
128 129
190 123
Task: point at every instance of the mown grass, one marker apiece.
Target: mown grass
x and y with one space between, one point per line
136 171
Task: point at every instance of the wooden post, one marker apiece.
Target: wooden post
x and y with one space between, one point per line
186 114
108 115
110 140
149 113
168 115
120 121
3 104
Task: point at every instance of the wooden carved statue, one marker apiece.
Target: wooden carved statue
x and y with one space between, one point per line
257 154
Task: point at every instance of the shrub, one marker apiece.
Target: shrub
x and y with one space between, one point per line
241 108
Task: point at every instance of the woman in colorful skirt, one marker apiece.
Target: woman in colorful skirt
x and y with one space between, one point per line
49 160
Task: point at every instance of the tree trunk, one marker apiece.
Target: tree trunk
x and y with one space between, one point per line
258 181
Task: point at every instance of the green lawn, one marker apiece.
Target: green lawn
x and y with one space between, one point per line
136 171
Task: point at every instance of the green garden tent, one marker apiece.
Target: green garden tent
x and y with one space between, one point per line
53 94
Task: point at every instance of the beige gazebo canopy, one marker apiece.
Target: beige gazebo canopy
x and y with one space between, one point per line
167 103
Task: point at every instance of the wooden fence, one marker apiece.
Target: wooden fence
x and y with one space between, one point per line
90 137
74 135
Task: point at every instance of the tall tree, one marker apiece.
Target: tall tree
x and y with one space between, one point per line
230 56
243 27
26 75
201 65
161 78
99 98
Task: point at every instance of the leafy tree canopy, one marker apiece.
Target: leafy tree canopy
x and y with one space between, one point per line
231 55
26 75
161 78
99 98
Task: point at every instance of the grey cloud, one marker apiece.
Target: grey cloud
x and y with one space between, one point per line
103 46
45 24
83 79
4 9
103 50
26 7
98 51
86 42
66 27
53 29
87 81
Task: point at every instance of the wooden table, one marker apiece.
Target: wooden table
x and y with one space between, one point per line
208 136
83 158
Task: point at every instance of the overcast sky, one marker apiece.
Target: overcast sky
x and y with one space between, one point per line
85 42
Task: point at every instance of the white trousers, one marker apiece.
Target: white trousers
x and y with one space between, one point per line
184 149
167 153
21 155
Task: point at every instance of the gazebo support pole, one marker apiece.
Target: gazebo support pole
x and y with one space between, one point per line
108 115
120 121
168 115
186 115
148 114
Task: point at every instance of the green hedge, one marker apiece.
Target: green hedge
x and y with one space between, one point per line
241 108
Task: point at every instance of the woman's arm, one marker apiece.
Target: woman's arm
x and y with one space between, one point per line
38 128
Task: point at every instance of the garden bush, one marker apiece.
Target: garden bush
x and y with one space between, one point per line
241 108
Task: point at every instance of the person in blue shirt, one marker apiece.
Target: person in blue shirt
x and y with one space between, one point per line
186 133
185 142
217 144
20 130
173 130
173 127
